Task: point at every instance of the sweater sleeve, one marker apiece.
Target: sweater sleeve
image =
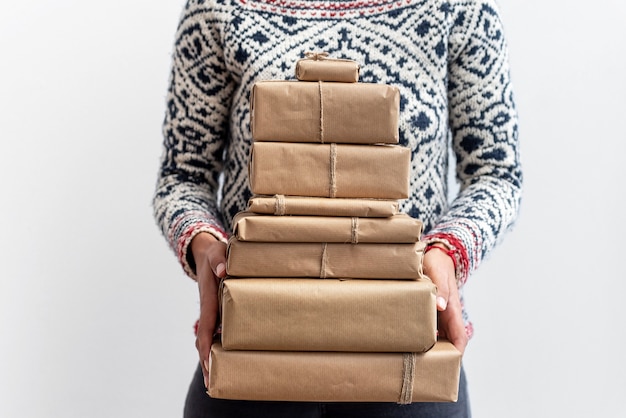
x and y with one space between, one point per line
484 128
195 130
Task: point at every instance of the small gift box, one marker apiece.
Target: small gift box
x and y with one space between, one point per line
317 66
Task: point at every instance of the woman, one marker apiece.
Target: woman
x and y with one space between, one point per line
450 62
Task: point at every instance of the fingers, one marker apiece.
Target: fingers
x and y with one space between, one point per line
451 321
204 363
440 268
207 321
210 257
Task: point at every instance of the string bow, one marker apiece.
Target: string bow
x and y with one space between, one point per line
316 56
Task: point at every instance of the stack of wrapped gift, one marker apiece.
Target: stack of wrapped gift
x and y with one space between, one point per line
325 298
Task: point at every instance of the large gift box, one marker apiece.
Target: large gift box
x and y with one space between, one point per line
328 315
399 228
301 111
280 205
329 170
324 260
432 376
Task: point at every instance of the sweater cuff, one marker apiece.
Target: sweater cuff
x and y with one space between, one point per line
459 252
193 227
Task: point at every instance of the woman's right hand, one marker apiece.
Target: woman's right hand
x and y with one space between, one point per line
210 257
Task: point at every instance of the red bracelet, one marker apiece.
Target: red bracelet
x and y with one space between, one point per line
450 252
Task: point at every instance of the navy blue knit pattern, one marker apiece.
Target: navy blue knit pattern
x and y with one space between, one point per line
448 58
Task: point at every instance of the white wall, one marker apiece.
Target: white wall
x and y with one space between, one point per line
548 303
96 315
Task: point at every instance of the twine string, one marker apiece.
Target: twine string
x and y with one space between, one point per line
316 56
280 205
333 169
319 83
323 267
408 376
355 230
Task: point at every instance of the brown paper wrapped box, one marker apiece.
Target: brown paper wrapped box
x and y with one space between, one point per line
324 260
321 68
328 315
329 170
432 376
322 206
302 111
399 228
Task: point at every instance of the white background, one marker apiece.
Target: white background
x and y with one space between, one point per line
95 314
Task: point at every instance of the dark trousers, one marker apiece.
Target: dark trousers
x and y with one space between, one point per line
199 405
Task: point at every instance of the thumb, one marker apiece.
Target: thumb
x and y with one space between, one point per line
438 267
443 294
218 261
442 303
219 269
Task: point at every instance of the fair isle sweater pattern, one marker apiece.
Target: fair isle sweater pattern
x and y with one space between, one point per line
448 58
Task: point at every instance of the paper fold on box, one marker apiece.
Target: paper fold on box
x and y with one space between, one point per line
328 315
302 111
280 205
400 228
329 170
324 260
432 376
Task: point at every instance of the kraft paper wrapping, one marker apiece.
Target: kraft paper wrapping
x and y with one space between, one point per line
399 228
322 206
304 111
329 170
324 260
432 376
318 67
328 315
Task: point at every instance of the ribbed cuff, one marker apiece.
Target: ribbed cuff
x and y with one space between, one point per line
458 251
184 230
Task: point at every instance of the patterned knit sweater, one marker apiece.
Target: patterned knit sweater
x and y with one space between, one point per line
448 58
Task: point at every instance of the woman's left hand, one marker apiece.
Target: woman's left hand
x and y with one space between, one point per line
439 267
